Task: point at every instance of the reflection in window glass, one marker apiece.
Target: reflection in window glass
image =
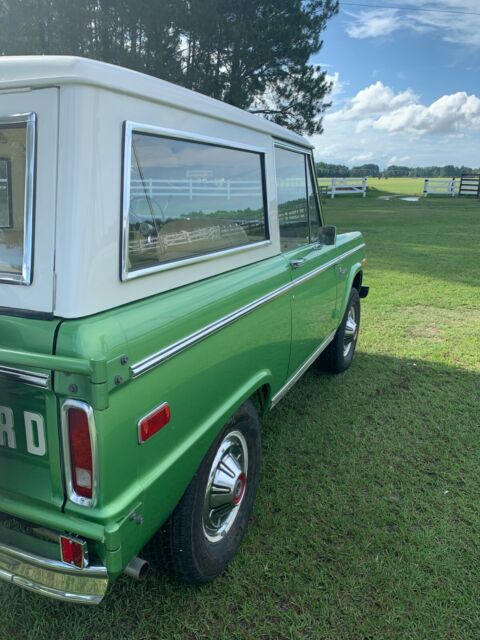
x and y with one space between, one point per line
5 194
188 199
13 142
292 198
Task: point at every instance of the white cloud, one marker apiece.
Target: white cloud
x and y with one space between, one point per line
379 107
397 160
449 114
375 99
363 157
388 127
372 24
460 28
338 86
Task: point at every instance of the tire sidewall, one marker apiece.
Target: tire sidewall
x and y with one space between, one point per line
354 299
212 557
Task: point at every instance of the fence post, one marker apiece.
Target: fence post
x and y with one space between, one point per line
425 188
454 187
334 182
364 187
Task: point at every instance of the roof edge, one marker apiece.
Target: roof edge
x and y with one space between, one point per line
42 71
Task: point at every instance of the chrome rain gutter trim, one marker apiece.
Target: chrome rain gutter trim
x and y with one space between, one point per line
52 578
158 358
32 378
301 370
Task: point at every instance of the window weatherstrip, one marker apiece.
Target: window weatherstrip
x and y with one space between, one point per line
30 120
161 132
314 178
158 358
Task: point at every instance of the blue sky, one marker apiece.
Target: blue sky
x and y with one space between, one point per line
406 84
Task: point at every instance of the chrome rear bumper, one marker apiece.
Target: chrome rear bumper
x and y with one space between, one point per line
52 578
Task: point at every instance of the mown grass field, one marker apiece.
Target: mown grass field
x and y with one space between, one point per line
386 186
367 524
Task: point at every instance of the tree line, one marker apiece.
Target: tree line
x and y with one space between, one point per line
253 54
325 170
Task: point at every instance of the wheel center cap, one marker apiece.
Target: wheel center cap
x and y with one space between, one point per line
239 489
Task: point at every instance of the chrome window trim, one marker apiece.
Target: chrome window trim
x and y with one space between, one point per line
314 177
308 159
72 495
130 128
158 358
32 378
30 119
292 147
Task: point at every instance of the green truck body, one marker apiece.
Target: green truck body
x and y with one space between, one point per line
204 348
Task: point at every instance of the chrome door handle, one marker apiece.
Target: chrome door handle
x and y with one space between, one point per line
297 263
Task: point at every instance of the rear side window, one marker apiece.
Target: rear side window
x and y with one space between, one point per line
186 199
17 142
298 212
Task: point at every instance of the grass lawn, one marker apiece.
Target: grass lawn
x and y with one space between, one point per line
367 524
382 186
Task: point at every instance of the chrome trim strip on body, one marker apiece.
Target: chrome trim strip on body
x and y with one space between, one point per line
161 132
174 349
301 370
30 120
52 578
138 273
71 493
32 378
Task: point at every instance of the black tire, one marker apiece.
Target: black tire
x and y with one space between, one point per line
335 358
185 550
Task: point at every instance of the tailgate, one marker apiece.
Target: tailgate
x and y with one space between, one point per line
30 464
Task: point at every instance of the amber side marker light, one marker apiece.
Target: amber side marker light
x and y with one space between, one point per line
153 422
74 551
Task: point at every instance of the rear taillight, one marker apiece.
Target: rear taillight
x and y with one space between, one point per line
79 453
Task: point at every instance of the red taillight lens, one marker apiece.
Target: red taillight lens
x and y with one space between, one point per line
151 424
73 551
81 460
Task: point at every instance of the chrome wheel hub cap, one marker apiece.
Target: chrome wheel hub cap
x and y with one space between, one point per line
351 331
225 487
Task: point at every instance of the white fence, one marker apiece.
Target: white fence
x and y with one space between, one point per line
440 186
348 186
193 188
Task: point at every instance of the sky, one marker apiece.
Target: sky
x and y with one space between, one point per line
406 83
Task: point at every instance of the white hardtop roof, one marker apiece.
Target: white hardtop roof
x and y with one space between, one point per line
47 71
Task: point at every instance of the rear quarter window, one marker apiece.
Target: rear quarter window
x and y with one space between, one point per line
17 140
184 199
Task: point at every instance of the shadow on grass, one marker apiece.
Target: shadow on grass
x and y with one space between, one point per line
366 524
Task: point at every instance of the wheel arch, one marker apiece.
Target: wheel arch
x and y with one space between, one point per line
354 281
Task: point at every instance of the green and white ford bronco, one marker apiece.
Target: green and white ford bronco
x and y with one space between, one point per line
165 278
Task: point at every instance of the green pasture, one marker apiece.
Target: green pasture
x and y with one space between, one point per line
367 524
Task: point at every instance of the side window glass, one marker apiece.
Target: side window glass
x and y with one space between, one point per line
291 198
312 204
17 141
187 199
